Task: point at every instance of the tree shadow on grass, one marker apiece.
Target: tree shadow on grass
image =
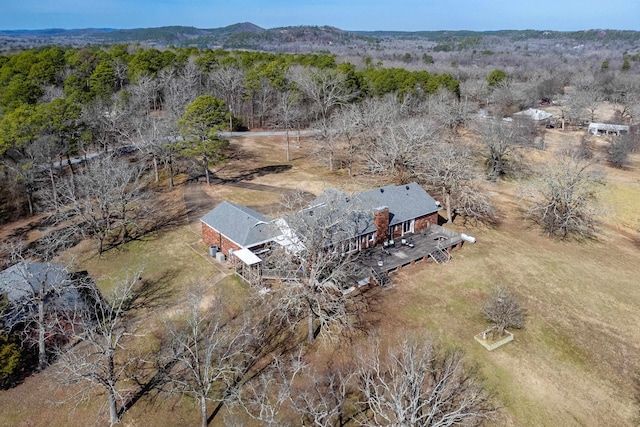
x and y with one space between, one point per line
153 293
240 154
369 309
250 174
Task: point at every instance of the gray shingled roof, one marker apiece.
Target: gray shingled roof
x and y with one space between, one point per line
353 215
240 224
405 202
332 217
248 228
25 278
22 281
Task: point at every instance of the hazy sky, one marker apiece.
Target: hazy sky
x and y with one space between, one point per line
408 15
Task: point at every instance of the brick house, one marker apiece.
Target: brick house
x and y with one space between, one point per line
373 217
400 210
232 227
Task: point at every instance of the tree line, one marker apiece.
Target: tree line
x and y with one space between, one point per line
61 103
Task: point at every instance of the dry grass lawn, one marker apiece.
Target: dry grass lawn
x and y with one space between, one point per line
572 365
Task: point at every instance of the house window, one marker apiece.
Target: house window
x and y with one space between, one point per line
348 246
408 226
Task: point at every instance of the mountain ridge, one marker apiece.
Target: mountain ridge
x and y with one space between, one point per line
246 35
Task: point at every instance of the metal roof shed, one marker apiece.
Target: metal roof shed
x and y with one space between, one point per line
247 257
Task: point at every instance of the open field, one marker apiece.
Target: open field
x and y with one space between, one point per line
573 364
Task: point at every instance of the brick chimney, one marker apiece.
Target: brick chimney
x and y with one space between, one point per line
381 221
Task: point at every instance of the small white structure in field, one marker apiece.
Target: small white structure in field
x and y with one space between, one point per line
607 129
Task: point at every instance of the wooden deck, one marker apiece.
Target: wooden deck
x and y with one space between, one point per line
424 243
431 244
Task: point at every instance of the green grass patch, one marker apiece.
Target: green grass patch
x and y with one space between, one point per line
561 344
233 290
164 258
622 200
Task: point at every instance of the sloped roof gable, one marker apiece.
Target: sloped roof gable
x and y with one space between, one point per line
405 202
240 224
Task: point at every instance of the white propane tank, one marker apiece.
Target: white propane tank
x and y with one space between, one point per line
467 238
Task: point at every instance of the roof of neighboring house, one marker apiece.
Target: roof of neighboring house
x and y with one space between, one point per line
535 114
26 278
22 281
240 224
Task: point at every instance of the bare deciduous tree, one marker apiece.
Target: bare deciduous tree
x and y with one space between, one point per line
324 398
104 199
501 141
327 88
146 90
223 357
448 110
287 113
319 265
503 310
414 383
447 167
585 98
179 87
472 203
510 96
619 149
564 201
108 122
228 83
265 397
209 351
342 136
474 89
40 293
103 359
356 129
156 137
396 147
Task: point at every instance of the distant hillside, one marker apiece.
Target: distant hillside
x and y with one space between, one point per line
306 38
585 35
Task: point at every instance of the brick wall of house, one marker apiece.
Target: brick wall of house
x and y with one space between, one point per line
212 237
423 222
